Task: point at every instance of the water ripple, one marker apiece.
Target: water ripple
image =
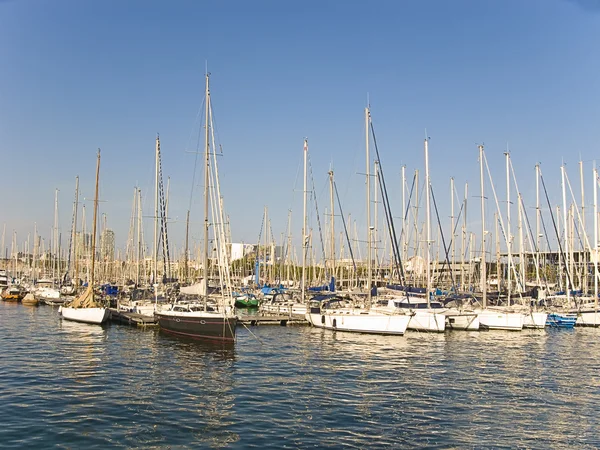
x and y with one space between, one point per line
70 385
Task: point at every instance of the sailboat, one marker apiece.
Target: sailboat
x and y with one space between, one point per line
85 308
214 321
492 318
343 314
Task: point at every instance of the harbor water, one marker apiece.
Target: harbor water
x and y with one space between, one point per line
70 385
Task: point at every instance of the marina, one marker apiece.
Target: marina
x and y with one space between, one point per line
300 225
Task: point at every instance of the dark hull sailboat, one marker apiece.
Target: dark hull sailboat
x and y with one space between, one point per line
198 324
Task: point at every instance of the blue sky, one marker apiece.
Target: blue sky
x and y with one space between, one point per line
78 75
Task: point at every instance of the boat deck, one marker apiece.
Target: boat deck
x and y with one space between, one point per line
270 319
133 319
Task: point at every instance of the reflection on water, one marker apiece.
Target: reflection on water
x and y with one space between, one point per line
83 386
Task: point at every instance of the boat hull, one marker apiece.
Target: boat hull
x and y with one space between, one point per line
457 320
535 320
500 320
588 318
427 321
85 315
561 320
216 327
363 322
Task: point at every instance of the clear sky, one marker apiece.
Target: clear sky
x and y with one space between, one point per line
77 75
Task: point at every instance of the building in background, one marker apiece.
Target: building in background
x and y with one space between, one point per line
107 245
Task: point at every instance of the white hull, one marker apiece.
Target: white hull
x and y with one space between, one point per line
589 318
360 321
425 320
491 319
461 320
299 309
85 315
534 319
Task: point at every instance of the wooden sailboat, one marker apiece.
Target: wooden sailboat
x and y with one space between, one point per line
202 320
85 308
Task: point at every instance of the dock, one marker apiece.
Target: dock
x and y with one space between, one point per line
133 319
271 319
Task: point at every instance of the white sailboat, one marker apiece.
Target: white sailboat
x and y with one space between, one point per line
497 318
336 313
84 308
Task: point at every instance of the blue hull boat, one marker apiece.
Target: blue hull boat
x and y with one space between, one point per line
561 320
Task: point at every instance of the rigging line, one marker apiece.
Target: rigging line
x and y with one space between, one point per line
344 222
388 218
387 209
312 179
533 241
447 250
403 231
300 164
197 152
570 284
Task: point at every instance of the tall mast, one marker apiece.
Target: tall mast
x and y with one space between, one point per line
521 242
452 233
94 225
74 238
304 224
404 231
55 269
482 265
369 230
537 223
155 246
427 224
206 182
187 235
583 252
464 239
332 223
139 237
34 260
289 247
508 231
595 246
375 219
565 228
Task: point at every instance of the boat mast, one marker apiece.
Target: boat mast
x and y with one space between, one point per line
375 220
427 225
509 233
94 227
75 265
464 239
583 264
332 224
404 214
369 228
139 238
565 228
595 246
206 182
55 270
187 235
537 223
304 225
482 263
155 246
453 234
